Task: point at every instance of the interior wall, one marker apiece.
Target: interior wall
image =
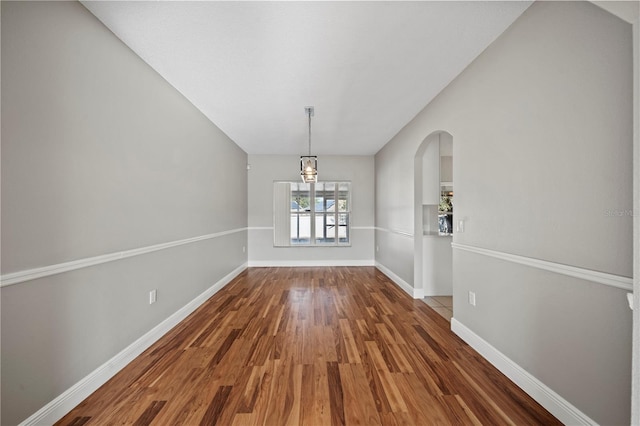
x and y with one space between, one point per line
635 392
266 169
100 155
394 213
630 12
542 124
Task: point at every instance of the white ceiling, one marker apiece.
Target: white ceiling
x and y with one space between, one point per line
251 67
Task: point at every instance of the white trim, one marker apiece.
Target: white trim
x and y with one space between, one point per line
45 271
308 263
416 293
270 228
625 10
69 399
635 339
394 231
611 280
545 396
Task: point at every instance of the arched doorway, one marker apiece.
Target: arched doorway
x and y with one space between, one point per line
433 215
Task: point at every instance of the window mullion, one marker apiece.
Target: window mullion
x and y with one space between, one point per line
336 209
324 216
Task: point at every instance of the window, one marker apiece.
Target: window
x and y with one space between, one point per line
311 214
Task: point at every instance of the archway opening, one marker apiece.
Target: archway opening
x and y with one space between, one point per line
434 219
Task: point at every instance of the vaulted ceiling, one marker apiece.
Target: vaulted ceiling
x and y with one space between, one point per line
251 67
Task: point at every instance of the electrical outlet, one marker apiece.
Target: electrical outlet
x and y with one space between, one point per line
153 296
244 249
472 298
377 248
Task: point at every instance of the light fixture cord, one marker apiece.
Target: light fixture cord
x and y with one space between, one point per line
309 112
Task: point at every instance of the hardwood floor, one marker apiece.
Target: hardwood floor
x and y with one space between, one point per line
310 346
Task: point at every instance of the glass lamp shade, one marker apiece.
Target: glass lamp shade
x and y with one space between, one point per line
309 168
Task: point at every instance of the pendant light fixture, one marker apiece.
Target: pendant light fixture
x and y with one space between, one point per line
309 163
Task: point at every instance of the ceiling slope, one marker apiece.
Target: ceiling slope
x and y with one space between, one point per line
252 67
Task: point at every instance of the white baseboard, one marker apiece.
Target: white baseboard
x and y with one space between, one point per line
308 263
65 402
545 396
416 293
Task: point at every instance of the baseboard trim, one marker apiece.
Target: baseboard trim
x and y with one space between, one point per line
545 396
307 263
65 402
416 293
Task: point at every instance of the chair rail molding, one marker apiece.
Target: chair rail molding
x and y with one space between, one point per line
604 278
394 231
59 268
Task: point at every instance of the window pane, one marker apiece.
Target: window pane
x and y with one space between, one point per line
300 228
343 197
325 229
343 227
300 221
300 195
325 196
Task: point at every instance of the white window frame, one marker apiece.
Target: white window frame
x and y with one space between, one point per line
283 215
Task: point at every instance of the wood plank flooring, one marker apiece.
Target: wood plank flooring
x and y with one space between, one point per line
310 346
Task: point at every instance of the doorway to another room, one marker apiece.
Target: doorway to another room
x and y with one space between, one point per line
434 219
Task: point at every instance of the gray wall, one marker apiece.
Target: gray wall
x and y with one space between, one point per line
265 169
542 140
100 155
